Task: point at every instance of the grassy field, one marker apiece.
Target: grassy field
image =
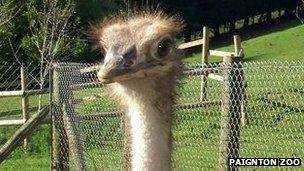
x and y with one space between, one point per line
277 123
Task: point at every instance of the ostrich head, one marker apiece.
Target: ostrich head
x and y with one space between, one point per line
139 46
143 64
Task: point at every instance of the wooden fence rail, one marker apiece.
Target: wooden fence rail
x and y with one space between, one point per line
23 93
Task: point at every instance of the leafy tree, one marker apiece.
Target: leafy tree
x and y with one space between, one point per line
8 10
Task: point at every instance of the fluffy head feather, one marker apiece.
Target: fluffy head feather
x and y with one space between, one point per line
138 26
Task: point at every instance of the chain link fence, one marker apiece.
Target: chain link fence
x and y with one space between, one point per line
250 110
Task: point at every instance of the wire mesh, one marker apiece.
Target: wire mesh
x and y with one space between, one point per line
254 110
10 83
20 99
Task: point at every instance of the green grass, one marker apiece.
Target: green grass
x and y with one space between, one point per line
36 157
37 154
275 121
35 162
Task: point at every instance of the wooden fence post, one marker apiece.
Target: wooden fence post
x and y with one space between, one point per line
25 99
69 115
238 50
60 147
74 140
68 139
205 55
231 113
237 44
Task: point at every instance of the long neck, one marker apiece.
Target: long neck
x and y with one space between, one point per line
150 137
149 114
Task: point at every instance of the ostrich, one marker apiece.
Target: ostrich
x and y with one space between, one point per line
143 66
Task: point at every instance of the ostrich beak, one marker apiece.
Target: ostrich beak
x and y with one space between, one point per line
118 68
116 65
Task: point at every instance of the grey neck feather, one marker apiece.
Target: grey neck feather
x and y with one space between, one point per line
148 104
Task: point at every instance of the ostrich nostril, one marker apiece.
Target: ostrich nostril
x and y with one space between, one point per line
128 63
130 56
119 61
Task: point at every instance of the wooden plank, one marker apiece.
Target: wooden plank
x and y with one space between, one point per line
216 77
21 122
205 55
24 131
11 122
205 47
20 93
36 92
191 44
16 93
25 99
221 53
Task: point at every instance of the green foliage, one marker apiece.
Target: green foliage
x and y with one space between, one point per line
29 48
24 31
96 9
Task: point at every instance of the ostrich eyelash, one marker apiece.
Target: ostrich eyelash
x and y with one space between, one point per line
154 49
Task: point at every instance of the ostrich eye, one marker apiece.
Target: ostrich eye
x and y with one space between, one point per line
164 47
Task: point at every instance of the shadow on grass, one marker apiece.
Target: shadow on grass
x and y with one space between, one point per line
253 58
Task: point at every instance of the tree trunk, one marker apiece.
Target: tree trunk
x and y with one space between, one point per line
246 22
261 18
41 82
216 30
232 26
187 34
